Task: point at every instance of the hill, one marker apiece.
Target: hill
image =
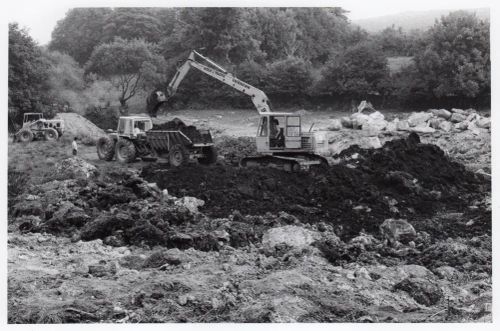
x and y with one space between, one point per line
412 19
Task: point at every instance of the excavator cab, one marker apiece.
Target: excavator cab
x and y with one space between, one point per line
278 131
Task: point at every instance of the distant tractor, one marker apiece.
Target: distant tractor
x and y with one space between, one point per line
135 138
37 127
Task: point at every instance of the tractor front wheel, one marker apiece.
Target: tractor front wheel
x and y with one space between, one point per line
25 135
105 148
125 151
178 155
50 134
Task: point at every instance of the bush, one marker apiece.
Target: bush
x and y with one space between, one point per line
16 182
291 77
358 71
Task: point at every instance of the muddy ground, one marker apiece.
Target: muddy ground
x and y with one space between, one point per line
149 243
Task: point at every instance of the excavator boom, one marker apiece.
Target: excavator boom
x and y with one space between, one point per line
212 69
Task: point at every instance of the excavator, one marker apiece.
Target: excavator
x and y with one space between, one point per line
281 142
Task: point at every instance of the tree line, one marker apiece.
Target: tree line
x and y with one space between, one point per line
302 57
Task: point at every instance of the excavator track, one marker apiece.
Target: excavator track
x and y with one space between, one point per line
286 162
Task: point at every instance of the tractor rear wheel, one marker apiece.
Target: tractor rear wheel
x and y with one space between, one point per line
178 155
209 155
50 134
25 135
125 151
105 148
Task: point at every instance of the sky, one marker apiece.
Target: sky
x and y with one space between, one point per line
40 17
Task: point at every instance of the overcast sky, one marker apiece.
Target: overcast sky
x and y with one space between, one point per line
40 17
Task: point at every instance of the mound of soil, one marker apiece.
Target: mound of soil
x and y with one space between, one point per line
176 124
404 179
234 149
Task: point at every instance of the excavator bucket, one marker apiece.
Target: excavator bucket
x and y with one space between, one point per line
154 101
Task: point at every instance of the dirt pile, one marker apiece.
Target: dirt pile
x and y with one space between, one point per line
404 179
232 150
177 125
76 125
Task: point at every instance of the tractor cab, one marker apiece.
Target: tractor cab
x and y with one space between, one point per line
279 131
134 126
29 118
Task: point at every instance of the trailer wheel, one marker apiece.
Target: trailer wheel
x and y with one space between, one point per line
125 151
50 134
105 148
209 155
25 135
178 155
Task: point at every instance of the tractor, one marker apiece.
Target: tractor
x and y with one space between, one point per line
37 127
135 138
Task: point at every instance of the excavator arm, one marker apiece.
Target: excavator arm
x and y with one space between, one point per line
212 69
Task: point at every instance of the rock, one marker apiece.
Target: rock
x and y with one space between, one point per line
375 125
398 230
334 125
66 218
183 300
29 207
359 119
459 111
102 269
370 142
445 126
289 235
435 122
483 122
423 129
416 271
363 239
422 290
392 126
164 194
456 118
157 259
462 126
362 273
447 272
419 119
442 113
191 203
346 122
402 126
377 116
31 197
75 167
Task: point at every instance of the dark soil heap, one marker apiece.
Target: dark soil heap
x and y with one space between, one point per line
176 124
404 179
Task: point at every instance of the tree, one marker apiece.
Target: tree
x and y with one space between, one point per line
356 72
79 32
277 29
456 61
319 32
129 65
132 23
222 34
27 74
290 77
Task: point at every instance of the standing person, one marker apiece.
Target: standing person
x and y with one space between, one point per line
74 145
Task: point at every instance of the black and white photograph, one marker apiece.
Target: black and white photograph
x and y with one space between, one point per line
223 162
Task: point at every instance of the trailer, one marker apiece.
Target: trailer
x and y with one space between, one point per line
135 138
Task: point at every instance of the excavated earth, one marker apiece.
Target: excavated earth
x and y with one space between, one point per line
221 243
404 179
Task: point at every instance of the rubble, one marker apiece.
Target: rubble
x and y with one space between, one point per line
75 167
398 230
